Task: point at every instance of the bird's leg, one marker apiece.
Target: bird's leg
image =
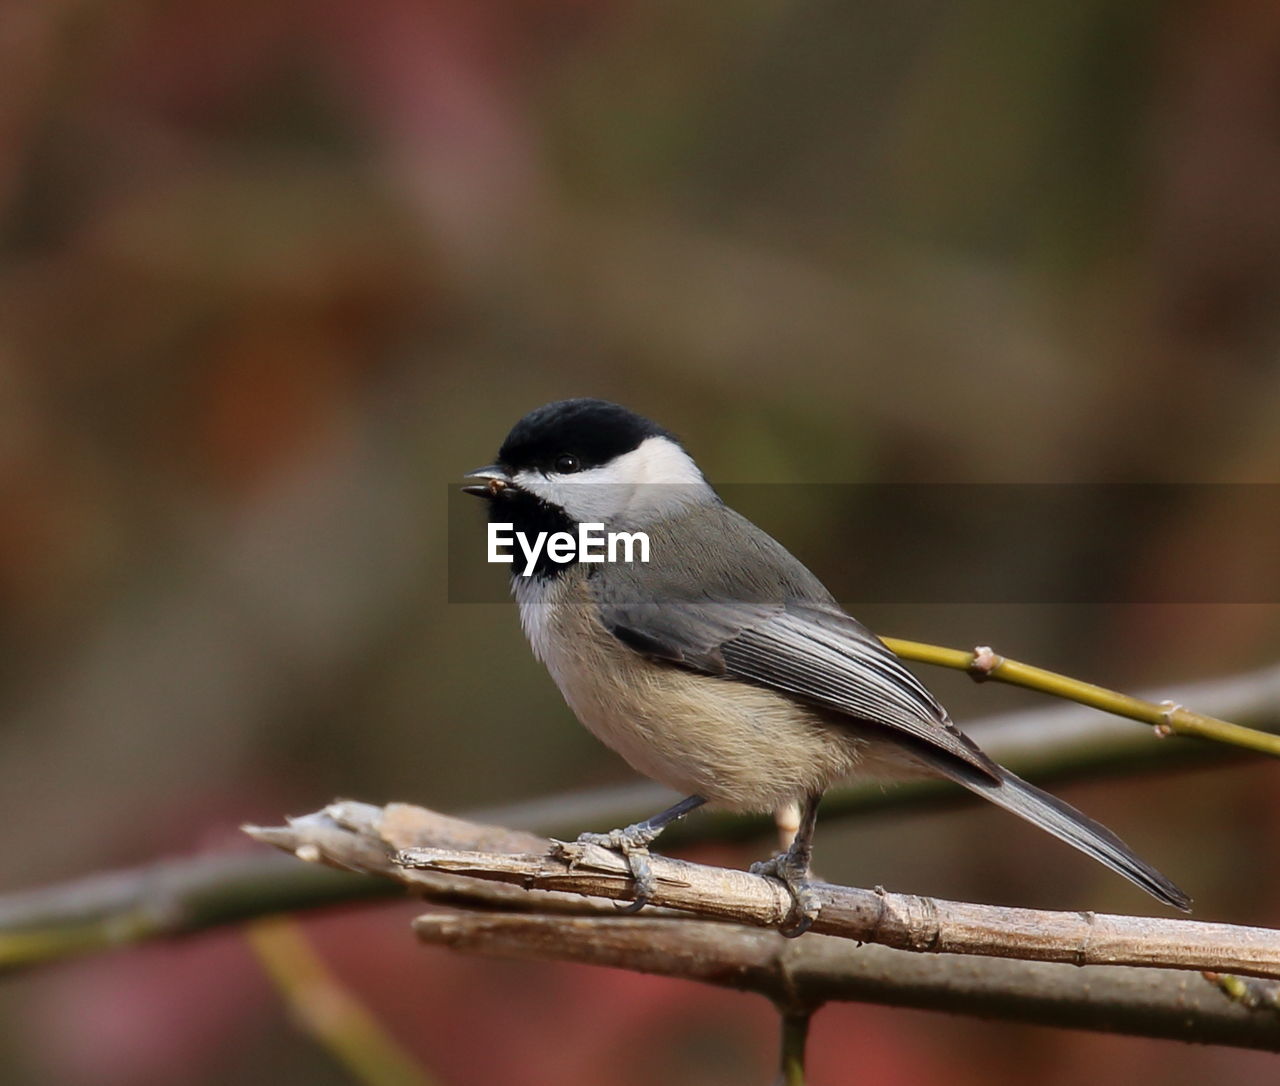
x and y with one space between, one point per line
633 842
791 868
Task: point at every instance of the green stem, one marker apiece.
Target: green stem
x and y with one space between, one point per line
327 1011
1167 718
795 1037
169 897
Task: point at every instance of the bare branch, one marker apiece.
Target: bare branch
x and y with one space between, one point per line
171 897
402 845
1160 1003
188 894
801 974
903 921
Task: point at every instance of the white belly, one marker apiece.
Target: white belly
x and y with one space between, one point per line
735 744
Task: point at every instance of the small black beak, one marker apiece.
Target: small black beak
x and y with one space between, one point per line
496 480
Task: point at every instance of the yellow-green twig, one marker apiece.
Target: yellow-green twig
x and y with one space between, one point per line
795 1037
19 948
326 1010
1166 717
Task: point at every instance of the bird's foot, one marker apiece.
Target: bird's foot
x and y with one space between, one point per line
793 872
632 842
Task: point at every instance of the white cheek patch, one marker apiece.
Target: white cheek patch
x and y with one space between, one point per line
655 478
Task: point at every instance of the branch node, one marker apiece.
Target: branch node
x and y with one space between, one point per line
1168 708
984 663
1084 947
1249 992
571 852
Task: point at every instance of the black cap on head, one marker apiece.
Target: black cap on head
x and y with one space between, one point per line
593 431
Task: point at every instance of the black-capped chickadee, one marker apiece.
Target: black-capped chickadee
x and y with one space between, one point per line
720 665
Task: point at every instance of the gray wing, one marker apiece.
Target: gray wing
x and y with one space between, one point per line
776 626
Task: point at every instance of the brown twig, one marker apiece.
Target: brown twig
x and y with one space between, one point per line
1160 1003
902 921
403 844
799 975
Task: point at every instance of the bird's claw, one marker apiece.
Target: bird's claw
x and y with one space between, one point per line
793 873
632 842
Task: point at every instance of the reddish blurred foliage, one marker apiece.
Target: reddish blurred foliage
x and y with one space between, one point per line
163 1013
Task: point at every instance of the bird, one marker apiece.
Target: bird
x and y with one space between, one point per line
720 666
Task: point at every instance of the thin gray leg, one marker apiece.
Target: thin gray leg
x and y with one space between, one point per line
791 868
633 842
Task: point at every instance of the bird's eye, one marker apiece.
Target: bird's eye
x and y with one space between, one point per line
566 464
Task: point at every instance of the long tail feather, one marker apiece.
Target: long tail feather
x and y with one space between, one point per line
1065 822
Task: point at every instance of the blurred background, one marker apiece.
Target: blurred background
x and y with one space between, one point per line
272 276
